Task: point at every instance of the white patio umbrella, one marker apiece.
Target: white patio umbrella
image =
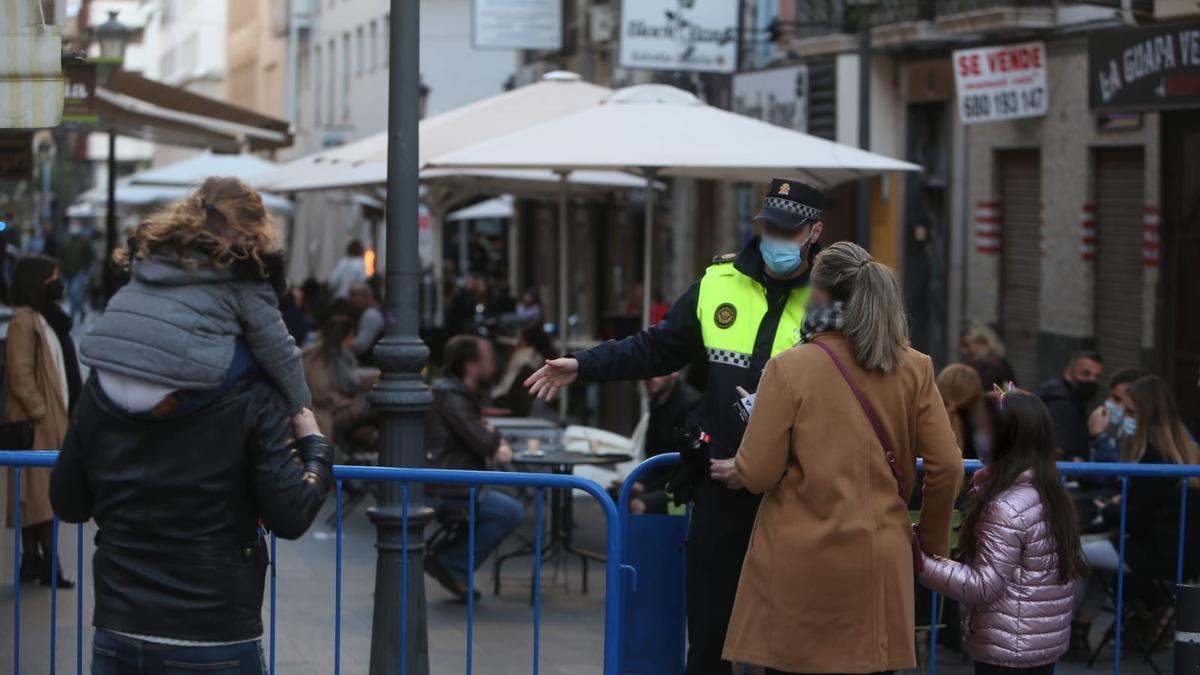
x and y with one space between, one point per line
193 170
655 130
362 163
139 196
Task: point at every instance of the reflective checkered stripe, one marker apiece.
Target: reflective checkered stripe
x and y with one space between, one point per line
795 207
729 358
726 293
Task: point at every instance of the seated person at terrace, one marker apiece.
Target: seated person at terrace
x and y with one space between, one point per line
457 437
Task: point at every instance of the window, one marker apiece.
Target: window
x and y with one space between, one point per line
332 80
346 75
374 53
316 76
361 56
387 39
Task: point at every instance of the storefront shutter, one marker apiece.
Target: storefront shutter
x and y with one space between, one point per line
1020 268
1120 200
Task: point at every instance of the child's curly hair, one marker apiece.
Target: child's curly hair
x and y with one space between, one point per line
224 218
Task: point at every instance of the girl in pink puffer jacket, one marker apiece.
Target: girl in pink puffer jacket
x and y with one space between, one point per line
1019 545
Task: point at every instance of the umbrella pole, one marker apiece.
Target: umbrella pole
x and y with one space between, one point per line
562 283
648 248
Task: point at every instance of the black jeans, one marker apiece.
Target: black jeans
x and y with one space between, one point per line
988 669
118 655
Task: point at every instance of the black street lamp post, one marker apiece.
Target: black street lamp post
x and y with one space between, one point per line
399 638
113 37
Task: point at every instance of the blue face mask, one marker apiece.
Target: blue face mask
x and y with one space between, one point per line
1129 426
782 257
1116 412
983 446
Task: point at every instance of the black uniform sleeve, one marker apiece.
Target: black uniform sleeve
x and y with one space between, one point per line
663 348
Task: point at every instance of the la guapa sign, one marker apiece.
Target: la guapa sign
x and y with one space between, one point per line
1148 68
696 35
1001 83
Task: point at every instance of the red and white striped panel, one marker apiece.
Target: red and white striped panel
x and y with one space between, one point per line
1150 241
987 228
1087 234
1042 229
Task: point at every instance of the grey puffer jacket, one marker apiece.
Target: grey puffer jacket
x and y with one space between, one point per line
1017 613
177 327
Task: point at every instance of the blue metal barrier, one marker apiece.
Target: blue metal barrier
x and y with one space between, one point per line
618 546
472 479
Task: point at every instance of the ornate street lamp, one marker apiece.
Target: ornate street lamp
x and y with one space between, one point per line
399 642
113 37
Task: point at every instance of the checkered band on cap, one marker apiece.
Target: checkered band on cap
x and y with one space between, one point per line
728 357
795 207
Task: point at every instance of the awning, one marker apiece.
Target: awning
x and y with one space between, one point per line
136 106
31 82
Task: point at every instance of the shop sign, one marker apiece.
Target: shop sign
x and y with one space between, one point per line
1001 83
698 35
778 96
1151 68
516 24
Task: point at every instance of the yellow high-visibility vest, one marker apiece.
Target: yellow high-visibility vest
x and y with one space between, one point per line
731 307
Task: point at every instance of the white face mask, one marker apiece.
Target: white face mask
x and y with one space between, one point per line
1116 412
1129 426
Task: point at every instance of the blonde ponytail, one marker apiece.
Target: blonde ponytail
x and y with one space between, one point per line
875 322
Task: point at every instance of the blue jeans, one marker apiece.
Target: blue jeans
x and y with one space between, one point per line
118 655
496 516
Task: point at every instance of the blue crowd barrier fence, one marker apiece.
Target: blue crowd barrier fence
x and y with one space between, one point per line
538 482
644 615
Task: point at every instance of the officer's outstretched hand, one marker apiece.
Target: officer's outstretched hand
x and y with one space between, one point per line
556 374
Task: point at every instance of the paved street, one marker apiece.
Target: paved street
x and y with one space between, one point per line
572 635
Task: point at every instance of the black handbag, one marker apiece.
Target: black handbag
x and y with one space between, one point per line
16 435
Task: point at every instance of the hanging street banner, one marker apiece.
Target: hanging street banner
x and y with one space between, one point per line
698 35
1001 83
516 24
777 96
1150 68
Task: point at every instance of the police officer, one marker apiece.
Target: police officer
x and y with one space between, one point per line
747 308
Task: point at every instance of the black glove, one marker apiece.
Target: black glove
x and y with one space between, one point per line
693 468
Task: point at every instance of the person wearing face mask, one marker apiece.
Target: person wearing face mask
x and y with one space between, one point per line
1067 398
41 385
1108 425
745 309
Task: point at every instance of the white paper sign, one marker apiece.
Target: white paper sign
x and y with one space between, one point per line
778 96
516 24
1001 83
696 35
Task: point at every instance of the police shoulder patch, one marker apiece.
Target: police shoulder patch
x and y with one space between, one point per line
724 258
725 315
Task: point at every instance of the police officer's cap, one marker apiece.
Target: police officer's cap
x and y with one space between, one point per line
790 204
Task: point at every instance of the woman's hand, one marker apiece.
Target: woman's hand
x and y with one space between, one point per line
556 374
304 424
725 470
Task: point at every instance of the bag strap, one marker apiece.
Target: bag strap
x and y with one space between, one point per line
871 416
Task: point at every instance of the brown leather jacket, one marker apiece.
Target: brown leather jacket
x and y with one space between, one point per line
456 437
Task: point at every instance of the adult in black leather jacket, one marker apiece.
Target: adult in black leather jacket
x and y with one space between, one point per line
178 500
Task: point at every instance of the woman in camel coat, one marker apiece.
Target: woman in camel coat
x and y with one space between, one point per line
42 378
827 585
